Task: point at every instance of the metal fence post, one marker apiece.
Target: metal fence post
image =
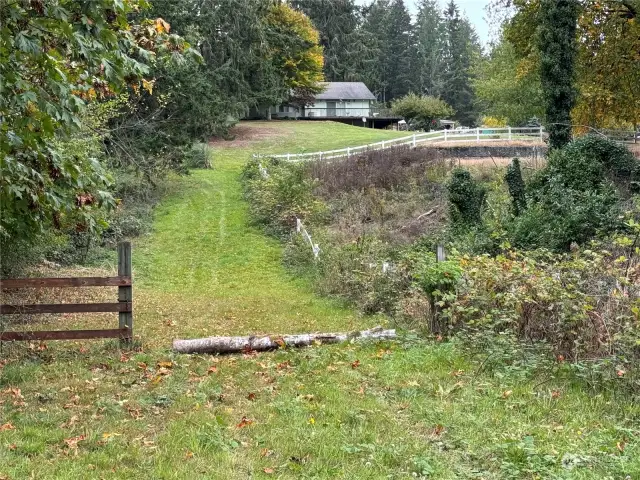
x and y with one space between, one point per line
125 293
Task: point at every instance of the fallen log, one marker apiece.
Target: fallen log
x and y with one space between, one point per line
272 342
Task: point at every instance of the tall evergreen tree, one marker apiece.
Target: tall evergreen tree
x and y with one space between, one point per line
375 72
388 30
398 48
429 31
344 48
557 44
461 45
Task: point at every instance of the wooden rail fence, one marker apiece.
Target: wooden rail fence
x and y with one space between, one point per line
124 305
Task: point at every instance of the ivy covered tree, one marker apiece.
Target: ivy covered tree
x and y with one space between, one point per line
607 41
557 45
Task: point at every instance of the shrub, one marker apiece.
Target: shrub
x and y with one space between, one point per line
516 187
421 111
579 303
286 194
466 198
577 195
197 156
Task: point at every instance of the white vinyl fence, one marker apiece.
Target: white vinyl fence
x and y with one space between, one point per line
477 134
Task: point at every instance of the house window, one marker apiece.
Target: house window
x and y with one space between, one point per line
282 109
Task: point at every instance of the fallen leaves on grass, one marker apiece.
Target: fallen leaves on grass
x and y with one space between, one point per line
355 364
245 422
507 393
71 422
251 396
268 470
212 369
73 441
7 426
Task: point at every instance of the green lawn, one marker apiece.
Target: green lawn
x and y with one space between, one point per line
405 409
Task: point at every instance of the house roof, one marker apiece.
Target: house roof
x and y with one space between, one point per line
345 91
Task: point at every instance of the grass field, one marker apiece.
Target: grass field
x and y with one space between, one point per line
405 409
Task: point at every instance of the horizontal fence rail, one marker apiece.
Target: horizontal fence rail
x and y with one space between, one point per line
64 282
470 135
124 305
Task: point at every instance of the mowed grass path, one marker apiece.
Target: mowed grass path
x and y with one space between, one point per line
207 271
396 410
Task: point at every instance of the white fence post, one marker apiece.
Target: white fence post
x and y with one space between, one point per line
541 136
414 140
509 132
288 156
477 134
382 144
348 152
445 134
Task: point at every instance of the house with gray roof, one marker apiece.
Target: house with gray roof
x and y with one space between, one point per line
337 100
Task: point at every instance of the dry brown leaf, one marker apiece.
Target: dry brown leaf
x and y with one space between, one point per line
244 422
73 441
7 426
268 470
355 364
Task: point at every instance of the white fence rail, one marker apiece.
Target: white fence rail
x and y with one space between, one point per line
475 134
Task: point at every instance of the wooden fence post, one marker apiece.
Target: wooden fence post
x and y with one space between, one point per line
436 326
414 140
510 133
125 294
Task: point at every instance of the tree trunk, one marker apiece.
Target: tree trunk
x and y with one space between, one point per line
241 344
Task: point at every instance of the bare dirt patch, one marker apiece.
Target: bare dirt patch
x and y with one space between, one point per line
248 133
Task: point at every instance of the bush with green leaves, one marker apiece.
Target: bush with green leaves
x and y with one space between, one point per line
421 111
577 196
286 193
466 198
